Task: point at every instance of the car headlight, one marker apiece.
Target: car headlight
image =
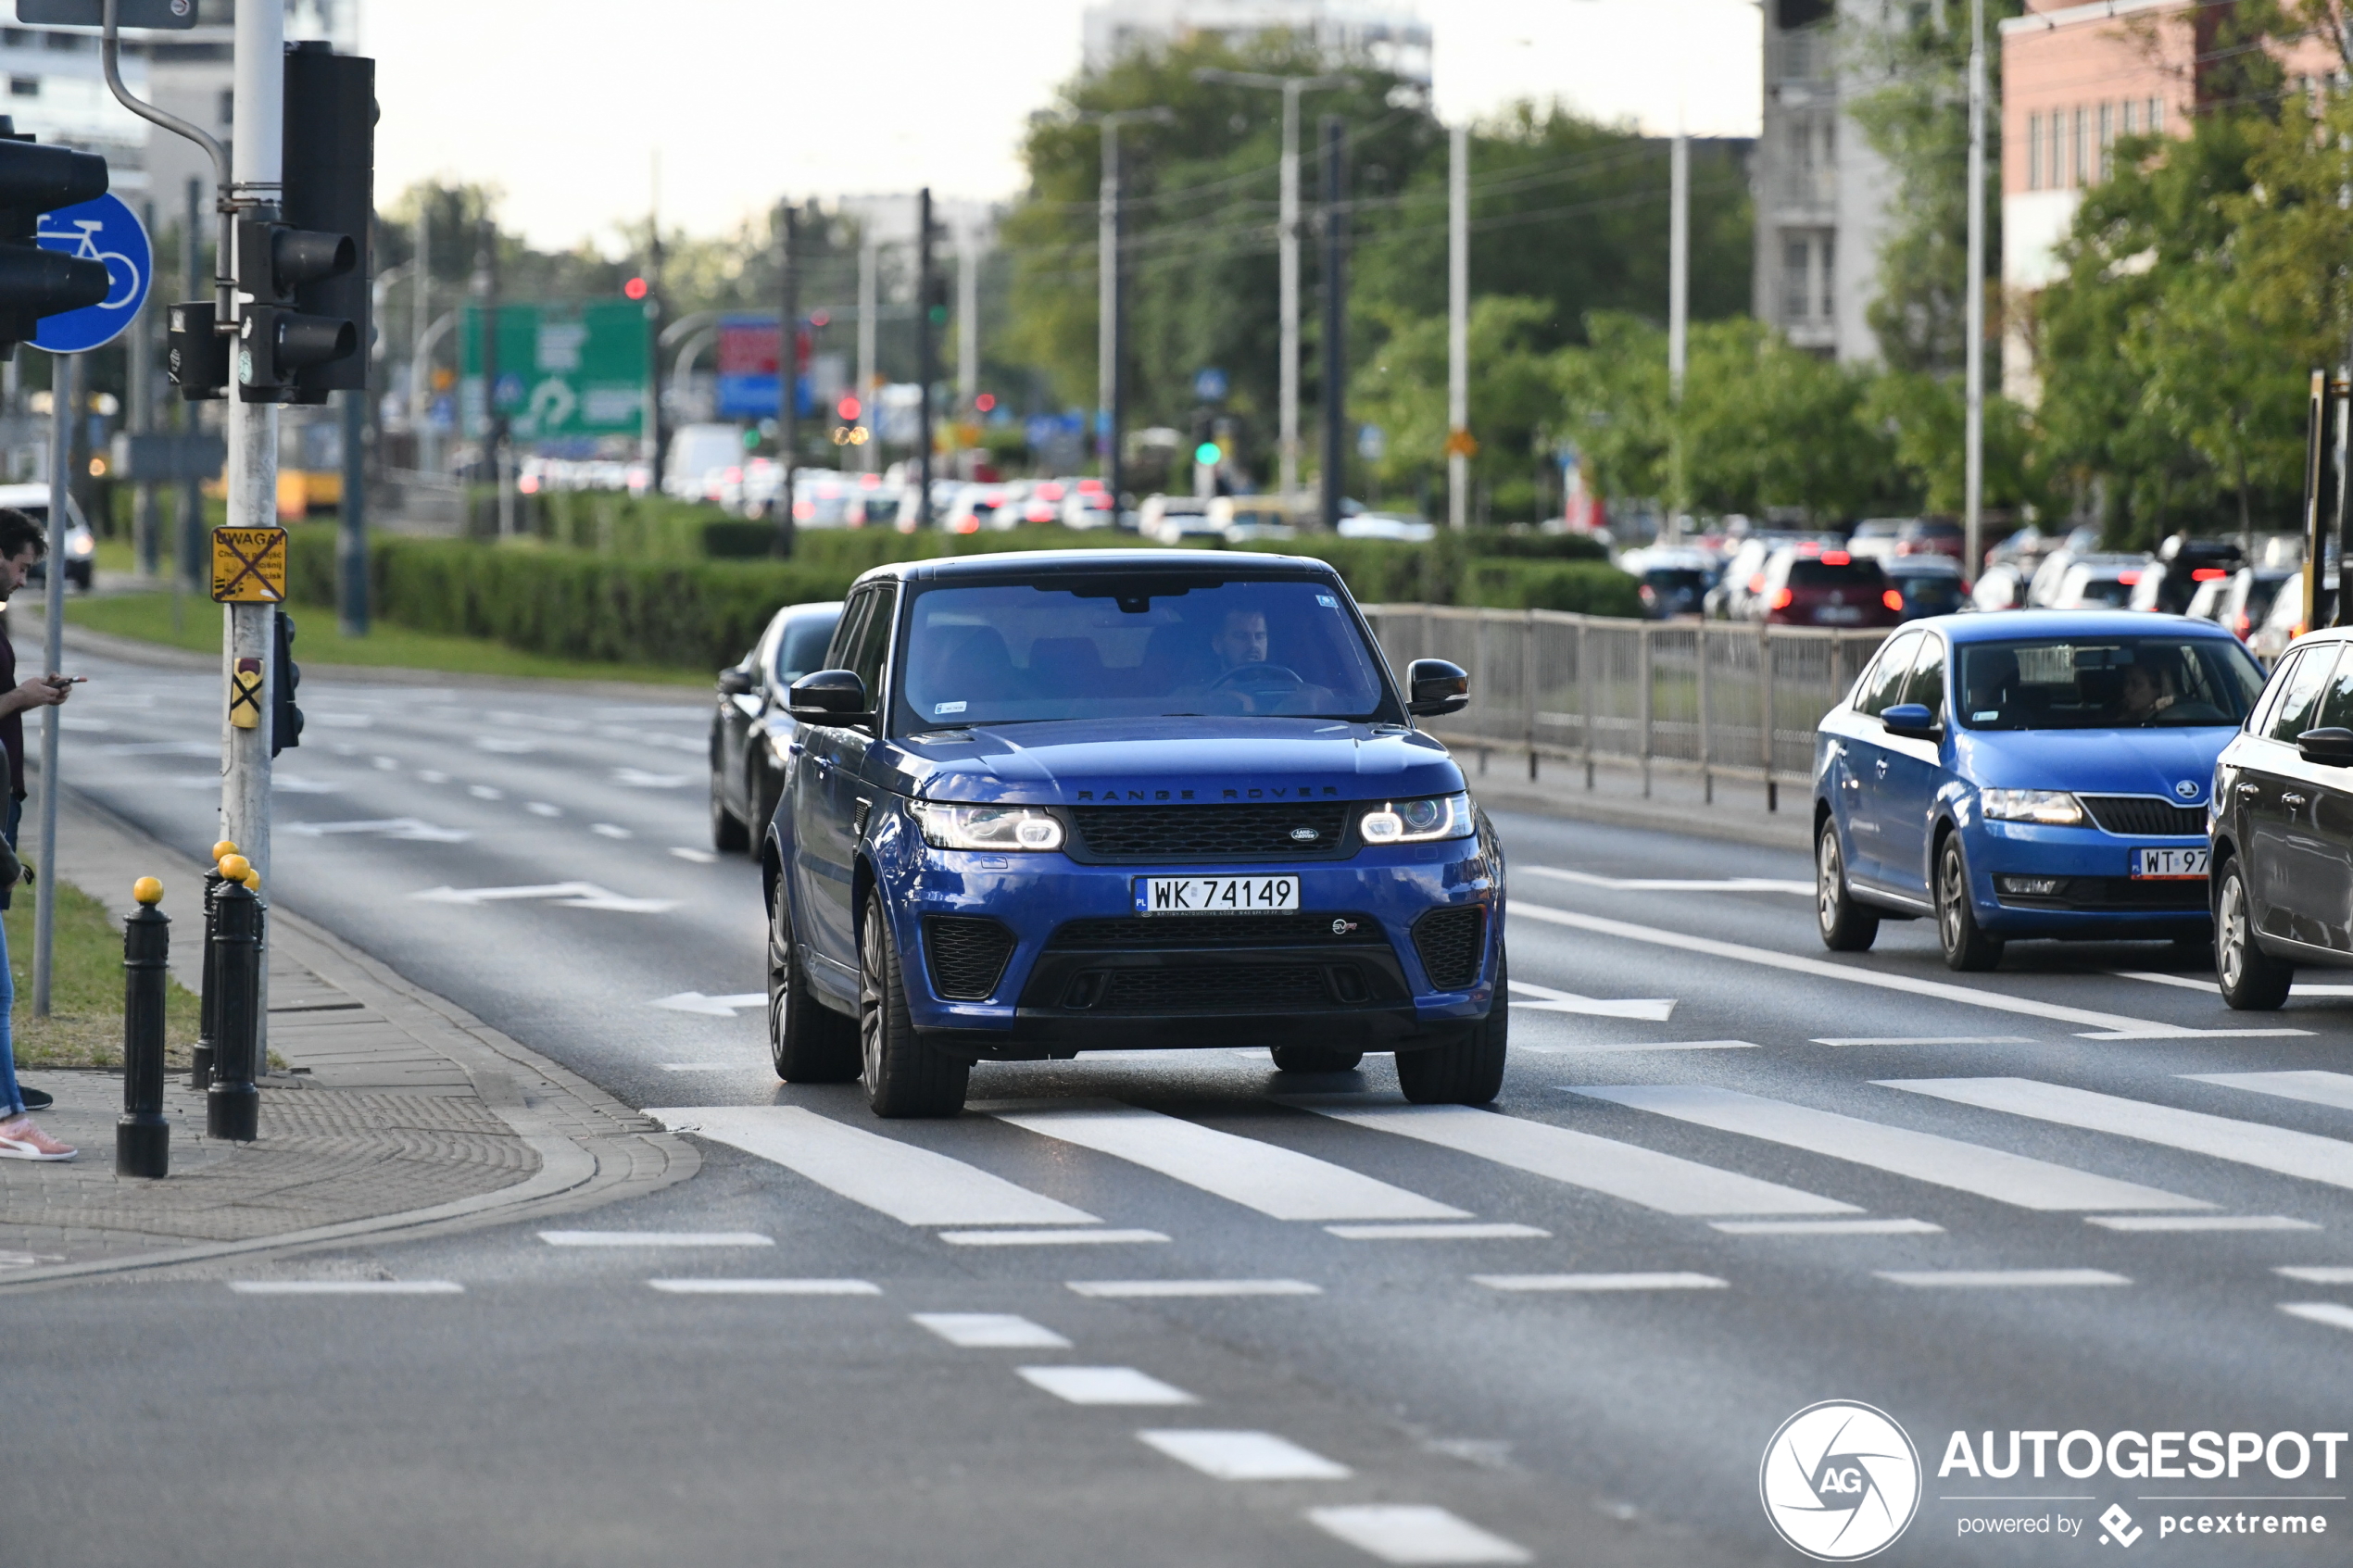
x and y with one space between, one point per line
1419 822
81 545
988 827
2052 808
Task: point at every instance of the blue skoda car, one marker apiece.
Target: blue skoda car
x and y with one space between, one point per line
2027 773
1042 804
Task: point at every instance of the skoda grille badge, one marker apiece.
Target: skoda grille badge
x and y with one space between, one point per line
2186 789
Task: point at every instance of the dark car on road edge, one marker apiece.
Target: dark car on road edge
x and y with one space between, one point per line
750 731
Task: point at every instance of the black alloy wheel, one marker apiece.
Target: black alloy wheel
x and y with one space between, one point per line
808 1042
2251 979
904 1076
1967 945
1847 926
1469 1071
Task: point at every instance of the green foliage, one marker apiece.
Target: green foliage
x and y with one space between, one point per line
84 1026
1514 397
1925 416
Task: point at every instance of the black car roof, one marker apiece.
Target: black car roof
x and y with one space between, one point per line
1101 563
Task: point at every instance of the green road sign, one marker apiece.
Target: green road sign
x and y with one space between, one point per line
574 368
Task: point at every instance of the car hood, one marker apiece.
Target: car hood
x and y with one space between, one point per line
2095 761
1206 760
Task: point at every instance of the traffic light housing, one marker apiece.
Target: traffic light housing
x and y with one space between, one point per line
285 675
302 276
194 355
849 427
36 282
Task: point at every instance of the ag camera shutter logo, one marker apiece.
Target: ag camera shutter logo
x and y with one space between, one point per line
1840 1481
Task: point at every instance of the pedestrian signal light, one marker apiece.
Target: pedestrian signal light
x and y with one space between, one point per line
1207 454
849 409
634 289
285 718
36 282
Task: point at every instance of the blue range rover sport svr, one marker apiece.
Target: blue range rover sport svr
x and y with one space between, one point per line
1043 804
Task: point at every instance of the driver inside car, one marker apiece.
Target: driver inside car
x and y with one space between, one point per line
1246 675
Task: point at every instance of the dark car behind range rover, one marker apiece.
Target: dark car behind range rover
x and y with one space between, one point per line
1043 804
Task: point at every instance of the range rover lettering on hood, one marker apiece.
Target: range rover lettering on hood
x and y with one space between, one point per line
1271 792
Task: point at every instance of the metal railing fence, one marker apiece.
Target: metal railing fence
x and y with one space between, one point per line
1716 699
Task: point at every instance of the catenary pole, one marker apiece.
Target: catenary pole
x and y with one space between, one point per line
926 354
65 408
787 370
419 318
1107 409
1678 310
1335 140
967 319
145 531
869 298
1458 327
188 554
1973 435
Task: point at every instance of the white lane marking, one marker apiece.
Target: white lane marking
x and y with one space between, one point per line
76 722
171 748
1923 1157
990 1331
1048 1238
505 745
695 715
389 764
2328 1312
2317 1275
715 1006
1244 1456
1663 1182
347 1287
536 721
1600 1282
1440 1232
570 895
656 1238
1543 998
1673 885
1412 1533
1934 1040
1826 1227
297 783
766 1287
2198 1222
2281 1149
2000 1279
638 778
541 809
1104 1385
609 830
703 1066
2332 1089
1152 1289
2114 1026
432 776
696 746
698 857
342 720
910 1184
484 792
1627 1049
2211 988
410 829
1277 1182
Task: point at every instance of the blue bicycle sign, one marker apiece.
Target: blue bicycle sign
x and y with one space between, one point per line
104 231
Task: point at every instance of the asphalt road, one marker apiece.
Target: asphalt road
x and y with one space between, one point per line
1730 1177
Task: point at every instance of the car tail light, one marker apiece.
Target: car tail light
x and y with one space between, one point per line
1893 600
2208 574
1782 599
1756 583
2128 578
2242 625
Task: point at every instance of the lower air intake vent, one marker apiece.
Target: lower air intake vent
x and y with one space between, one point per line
968 956
1448 942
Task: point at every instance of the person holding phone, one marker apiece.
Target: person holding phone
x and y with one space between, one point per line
21 544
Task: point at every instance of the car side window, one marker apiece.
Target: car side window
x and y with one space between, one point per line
853 617
867 653
1926 684
2305 683
2336 702
1882 687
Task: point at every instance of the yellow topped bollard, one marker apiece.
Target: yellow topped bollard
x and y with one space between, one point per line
252 879
222 850
234 867
148 890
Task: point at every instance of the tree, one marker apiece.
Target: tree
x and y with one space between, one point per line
1515 401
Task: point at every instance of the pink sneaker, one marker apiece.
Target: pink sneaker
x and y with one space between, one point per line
21 1139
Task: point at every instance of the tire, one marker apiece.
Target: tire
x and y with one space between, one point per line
1966 947
1847 926
728 835
2252 980
764 808
1470 1070
1316 1058
904 1076
808 1042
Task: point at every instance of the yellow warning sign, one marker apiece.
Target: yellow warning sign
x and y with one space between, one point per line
1460 442
248 566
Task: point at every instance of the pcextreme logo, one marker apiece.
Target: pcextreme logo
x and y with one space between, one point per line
1840 1481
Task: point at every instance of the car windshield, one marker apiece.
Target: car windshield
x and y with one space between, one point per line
2107 684
1133 646
801 649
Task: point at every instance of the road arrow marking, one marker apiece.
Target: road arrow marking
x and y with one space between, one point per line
716 1007
570 895
1676 884
410 829
1543 998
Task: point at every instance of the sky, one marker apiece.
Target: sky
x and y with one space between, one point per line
569 108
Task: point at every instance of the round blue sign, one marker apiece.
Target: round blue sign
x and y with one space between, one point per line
105 230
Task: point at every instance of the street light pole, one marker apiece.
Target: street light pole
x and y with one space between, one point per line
1110 405
1458 328
1973 435
1334 319
1678 308
868 292
788 370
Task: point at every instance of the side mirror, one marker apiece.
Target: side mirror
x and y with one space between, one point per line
1435 687
1912 721
2330 748
737 681
828 697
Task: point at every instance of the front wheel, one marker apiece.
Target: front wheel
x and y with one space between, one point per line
1847 926
904 1076
1967 945
808 1042
1469 1072
2252 980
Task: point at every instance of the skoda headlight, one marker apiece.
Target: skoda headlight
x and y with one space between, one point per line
2052 808
1419 822
988 827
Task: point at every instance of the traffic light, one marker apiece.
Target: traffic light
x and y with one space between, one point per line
36 282
195 356
302 273
285 675
848 429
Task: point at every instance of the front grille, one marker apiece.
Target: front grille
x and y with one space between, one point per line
967 956
1244 989
2119 894
1176 833
1215 930
1448 941
2145 816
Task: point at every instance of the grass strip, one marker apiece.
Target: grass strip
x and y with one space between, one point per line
84 1025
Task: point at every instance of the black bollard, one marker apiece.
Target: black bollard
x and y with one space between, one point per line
233 1106
208 1008
143 1138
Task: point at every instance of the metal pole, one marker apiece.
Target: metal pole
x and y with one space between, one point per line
1287 232
654 454
787 370
1458 332
146 535
233 1106
142 1137
1107 409
1679 308
2316 414
353 519
1335 319
926 350
190 549
1973 436
967 320
64 407
250 630
419 319
486 284
2340 470
869 293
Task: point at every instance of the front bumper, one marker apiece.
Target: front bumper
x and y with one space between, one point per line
2098 896
1036 955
